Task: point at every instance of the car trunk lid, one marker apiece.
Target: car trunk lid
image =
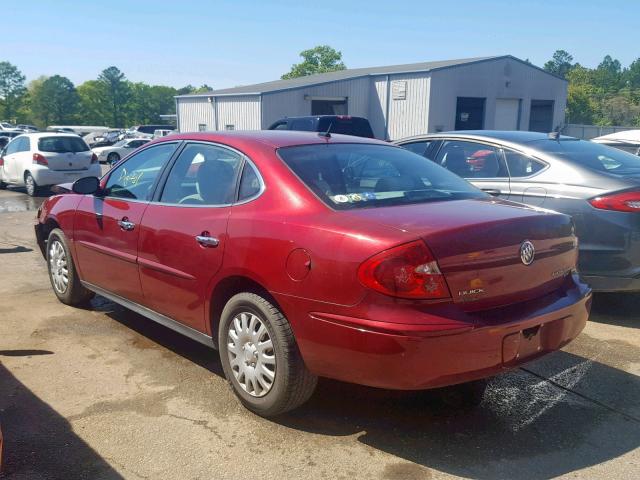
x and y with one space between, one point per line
65 152
483 247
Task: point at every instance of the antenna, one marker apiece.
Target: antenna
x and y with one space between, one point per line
327 134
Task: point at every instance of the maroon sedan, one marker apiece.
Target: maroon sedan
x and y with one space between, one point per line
301 255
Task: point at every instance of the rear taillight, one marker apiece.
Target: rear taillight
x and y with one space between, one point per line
1 162
94 158
39 159
620 202
407 271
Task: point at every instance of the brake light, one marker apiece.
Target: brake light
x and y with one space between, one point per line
1 162
407 271
40 159
94 158
620 202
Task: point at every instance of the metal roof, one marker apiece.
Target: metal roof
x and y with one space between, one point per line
319 78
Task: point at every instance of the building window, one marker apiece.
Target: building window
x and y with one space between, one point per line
329 107
202 127
229 127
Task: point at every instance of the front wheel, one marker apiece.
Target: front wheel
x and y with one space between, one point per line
260 356
62 271
30 184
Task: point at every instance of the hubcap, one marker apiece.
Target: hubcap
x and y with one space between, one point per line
30 184
251 354
58 267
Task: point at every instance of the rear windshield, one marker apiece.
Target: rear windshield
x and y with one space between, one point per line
346 126
349 176
62 144
592 155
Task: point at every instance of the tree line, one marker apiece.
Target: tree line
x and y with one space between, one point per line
606 95
110 100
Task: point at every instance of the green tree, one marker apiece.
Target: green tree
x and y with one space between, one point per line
12 90
320 59
148 102
95 107
54 101
560 64
581 108
608 75
631 75
118 93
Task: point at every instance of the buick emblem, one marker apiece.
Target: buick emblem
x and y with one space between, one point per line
527 252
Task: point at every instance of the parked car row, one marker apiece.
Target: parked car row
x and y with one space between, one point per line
299 255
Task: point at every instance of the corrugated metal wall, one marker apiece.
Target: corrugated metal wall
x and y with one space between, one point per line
193 111
290 103
409 116
243 112
503 78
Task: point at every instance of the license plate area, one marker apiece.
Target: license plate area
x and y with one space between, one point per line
530 342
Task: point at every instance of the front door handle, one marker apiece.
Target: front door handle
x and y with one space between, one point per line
206 240
125 224
492 191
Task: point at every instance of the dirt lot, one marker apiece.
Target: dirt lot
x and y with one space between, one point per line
103 393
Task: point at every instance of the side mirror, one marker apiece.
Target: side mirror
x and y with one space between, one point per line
86 185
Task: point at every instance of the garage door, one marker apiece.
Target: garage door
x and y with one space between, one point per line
507 113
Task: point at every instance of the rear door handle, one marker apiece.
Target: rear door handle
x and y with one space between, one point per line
206 240
125 224
492 191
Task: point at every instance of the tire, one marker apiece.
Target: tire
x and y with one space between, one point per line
290 384
113 158
30 184
70 292
2 185
465 395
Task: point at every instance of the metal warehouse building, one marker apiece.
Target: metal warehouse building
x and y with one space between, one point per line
503 93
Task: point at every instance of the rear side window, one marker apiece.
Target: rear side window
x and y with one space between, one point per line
521 165
349 176
13 146
203 175
135 178
62 144
249 182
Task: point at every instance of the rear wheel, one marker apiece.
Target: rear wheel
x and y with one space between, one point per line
113 158
30 184
2 185
260 357
62 271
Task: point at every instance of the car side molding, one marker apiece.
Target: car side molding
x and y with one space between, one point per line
155 316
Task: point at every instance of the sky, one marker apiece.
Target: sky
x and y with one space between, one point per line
229 43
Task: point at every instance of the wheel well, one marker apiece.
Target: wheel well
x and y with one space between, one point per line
226 289
44 230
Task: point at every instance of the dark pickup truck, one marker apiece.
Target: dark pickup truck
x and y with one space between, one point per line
343 124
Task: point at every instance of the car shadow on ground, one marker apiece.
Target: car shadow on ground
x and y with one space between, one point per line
38 442
622 309
526 428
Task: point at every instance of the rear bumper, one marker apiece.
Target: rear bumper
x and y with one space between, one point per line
46 176
404 357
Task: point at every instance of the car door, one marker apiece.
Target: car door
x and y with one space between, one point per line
525 188
183 235
107 226
11 158
481 164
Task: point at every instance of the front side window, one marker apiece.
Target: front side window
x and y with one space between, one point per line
471 159
417 147
521 165
203 174
348 176
13 146
134 179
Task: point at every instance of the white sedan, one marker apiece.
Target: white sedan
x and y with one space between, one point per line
118 150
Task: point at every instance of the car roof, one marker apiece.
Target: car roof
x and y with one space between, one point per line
49 134
515 136
272 138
